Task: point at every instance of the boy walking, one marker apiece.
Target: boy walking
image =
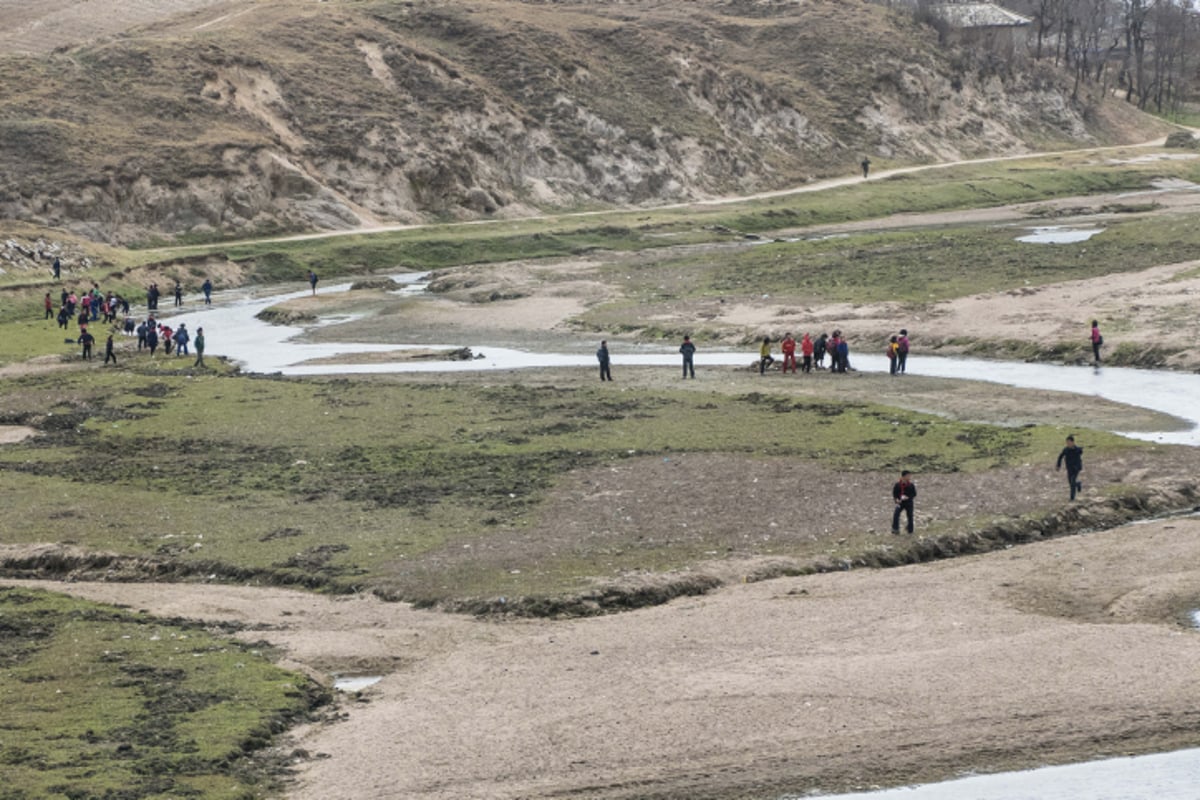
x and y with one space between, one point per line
903 493
1073 457
198 343
689 351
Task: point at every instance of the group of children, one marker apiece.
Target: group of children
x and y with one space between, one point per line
897 353
812 353
96 306
92 306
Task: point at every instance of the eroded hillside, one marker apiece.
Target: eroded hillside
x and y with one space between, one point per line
239 118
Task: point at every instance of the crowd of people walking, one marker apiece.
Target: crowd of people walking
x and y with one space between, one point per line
95 306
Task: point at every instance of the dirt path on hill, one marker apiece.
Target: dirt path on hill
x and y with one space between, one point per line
1065 650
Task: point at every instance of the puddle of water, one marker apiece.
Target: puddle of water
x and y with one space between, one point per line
1151 158
1059 235
355 683
1196 618
1163 776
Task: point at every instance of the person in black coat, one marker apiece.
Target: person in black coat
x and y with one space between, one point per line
689 351
903 493
1072 456
602 357
87 340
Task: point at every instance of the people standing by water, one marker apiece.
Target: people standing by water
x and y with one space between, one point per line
206 287
1097 341
152 294
603 357
902 351
788 348
866 166
109 354
178 294
893 355
904 491
839 353
151 337
688 350
312 281
764 355
1072 456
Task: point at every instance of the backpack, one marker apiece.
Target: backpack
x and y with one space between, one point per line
1100 340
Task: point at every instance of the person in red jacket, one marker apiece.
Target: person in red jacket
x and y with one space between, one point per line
806 353
788 346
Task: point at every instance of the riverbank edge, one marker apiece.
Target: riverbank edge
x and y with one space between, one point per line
1164 498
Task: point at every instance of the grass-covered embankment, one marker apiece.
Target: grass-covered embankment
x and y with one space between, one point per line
429 492
103 702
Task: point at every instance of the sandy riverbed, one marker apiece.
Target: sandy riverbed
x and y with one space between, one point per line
1062 650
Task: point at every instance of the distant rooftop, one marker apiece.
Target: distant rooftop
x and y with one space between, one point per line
979 15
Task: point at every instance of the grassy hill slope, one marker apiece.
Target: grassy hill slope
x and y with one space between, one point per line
244 118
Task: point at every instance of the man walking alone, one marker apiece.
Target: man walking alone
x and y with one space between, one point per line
1073 457
198 343
903 493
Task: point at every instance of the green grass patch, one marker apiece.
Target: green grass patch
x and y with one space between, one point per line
102 702
942 189
349 485
913 267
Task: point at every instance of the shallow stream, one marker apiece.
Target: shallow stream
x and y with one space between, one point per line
234 331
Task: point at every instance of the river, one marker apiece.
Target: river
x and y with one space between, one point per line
234 331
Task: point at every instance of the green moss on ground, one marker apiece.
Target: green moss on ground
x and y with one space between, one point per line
337 483
102 702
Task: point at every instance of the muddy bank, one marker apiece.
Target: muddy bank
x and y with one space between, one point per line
54 562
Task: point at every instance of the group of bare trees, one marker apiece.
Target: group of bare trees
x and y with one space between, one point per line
1146 49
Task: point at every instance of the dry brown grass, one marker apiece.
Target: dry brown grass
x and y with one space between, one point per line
239 116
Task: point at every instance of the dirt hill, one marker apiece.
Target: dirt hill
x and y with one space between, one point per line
125 122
